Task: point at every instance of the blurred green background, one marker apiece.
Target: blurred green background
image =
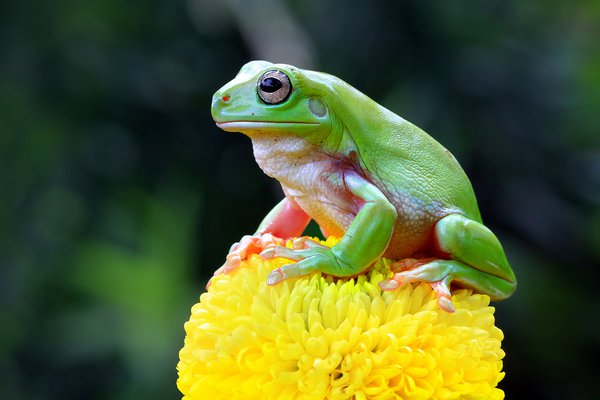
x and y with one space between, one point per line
119 196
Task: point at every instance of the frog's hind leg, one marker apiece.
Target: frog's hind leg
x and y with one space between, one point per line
476 261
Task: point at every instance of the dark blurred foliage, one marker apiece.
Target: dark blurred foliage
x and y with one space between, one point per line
119 196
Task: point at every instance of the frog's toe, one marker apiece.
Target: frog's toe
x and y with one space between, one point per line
399 279
294 270
276 276
305 242
281 251
446 304
442 290
389 284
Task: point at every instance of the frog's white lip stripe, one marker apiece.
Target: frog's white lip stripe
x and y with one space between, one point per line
235 125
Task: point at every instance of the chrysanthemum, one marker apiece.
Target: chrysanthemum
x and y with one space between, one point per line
318 337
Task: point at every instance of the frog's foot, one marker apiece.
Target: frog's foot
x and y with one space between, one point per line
309 256
441 287
243 249
413 270
444 296
402 276
440 273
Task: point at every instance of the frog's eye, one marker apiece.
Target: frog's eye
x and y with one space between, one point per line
274 87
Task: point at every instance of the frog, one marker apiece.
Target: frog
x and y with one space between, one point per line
364 174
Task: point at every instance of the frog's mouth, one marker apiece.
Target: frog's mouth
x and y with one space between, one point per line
243 125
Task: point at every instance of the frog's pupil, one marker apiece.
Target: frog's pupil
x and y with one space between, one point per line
270 85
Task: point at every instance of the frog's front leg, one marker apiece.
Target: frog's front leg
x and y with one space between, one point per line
477 261
365 240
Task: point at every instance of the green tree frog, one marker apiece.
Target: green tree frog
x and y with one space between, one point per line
364 174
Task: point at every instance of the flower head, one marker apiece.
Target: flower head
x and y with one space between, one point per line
320 337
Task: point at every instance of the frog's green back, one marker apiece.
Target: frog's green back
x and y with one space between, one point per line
399 156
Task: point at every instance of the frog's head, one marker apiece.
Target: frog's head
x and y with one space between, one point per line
266 98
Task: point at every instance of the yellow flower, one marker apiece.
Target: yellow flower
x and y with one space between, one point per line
323 338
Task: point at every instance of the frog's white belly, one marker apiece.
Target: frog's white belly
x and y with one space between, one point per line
309 177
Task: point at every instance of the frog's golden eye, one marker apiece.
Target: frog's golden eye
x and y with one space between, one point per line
274 87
